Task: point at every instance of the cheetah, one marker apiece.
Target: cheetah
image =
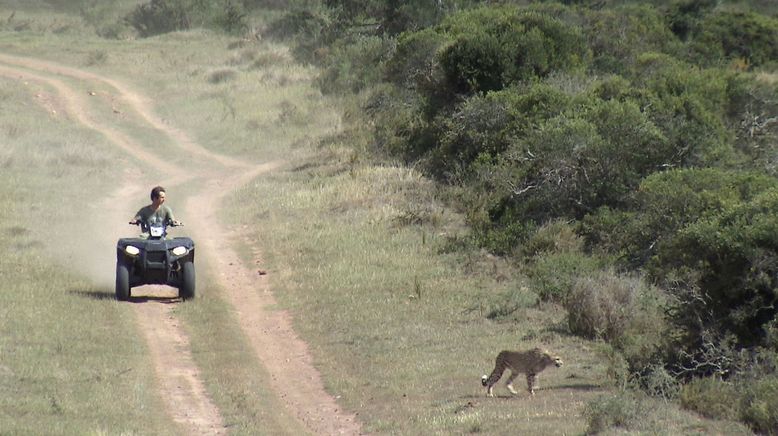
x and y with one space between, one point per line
529 362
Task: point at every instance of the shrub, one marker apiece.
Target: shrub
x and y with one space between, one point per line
160 16
553 276
689 105
354 64
590 156
753 105
479 128
474 136
497 46
303 24
623 410
624 311
760 405
556 236
402 15
731 35
307 31
684 16
500 239
711 397
232 18
474 63
665 203
618 36
600 306
410 65
731 258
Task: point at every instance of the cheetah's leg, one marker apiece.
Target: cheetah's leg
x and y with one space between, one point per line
531 379
509 383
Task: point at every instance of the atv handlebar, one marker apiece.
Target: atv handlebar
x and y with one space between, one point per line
170 224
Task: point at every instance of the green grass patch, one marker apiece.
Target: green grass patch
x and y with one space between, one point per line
236 382
395 325
69 360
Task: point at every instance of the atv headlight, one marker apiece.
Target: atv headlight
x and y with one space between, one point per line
179 251
132 250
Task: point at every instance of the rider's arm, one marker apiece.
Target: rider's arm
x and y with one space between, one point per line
138 217
171 218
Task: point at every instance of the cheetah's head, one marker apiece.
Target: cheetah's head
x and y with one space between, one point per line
556 360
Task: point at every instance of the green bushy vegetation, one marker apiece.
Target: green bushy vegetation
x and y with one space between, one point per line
646 127
163 16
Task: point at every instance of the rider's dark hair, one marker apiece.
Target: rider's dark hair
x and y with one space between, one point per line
155 192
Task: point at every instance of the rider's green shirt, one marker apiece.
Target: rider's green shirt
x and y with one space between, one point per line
162 215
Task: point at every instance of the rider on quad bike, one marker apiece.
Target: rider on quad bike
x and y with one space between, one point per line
153 258
156 212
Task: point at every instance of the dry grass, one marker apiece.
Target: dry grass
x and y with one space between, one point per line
68 361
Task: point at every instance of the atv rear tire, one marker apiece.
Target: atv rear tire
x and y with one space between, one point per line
187 289
122 282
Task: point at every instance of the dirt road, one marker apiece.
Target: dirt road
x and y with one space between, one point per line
61 90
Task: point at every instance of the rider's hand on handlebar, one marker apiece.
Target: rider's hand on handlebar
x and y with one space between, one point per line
134 222
176 223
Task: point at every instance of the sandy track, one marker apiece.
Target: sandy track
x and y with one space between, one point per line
274 342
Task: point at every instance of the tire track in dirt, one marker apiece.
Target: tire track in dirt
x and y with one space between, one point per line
74 104
293 377
133 101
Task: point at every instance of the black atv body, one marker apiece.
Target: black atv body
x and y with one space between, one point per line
155 260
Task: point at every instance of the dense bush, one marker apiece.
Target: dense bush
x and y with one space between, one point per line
556 236
622 310
752 400
760 405
474 63
737 35
731 259
617 37
665 203
411 64
711 397
160 16
623 410
401 15
499 46
569 165
689 105
353 64
553 275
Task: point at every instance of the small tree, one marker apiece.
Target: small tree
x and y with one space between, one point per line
160 16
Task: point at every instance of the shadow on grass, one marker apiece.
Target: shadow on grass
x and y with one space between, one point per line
154 298
94 295
110 295
586 387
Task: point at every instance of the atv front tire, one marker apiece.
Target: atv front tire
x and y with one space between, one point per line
187 289
122 282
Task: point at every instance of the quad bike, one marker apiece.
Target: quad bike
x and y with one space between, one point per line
155 259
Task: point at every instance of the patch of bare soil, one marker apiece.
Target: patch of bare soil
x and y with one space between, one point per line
274 342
